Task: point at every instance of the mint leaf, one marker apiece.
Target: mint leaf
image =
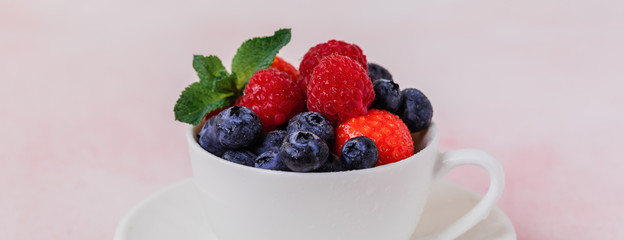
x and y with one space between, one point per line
217 88
212 74
257 53
197 100
224 84
208 68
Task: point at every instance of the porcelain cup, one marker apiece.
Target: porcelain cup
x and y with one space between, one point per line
380 203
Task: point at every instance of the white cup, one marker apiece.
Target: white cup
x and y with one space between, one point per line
380 203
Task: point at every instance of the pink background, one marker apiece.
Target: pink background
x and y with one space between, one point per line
88 87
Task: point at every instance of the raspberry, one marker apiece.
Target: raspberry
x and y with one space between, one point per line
280 64
340 89
320 51
387 130
272 95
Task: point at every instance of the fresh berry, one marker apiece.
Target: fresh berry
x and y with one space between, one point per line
208 141
387 130
271 139
280 64
303 151
376 72
312 122
237 127
270 160
333 47
273 96
243 157
387 95
359 153
208 116
416 110
217 87
340 89
333 164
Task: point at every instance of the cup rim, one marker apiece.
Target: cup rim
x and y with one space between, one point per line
431 137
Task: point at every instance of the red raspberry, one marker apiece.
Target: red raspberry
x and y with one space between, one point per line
272 95
280 64
320 51
387 130
340 89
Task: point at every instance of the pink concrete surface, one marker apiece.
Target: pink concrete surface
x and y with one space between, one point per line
88 87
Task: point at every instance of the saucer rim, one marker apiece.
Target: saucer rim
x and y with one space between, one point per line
121 228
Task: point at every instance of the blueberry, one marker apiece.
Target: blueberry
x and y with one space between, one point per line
333 164
387 95
270 160
312 122
416 110
359 153
243 157
237 127
208 141
282 126
202 130
376 72
271 139
303 151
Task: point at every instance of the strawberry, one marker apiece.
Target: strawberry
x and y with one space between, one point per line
387 130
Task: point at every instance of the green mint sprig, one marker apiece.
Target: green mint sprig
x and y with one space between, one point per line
217 88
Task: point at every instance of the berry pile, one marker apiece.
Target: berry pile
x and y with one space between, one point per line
337 112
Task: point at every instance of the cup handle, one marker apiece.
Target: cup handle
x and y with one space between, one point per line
455 158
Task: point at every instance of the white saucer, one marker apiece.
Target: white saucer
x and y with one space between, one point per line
174 213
